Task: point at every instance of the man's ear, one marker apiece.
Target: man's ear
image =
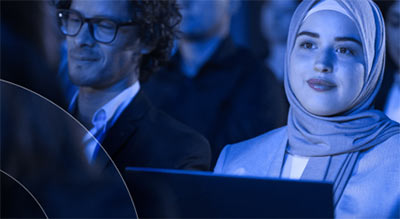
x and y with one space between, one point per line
147 48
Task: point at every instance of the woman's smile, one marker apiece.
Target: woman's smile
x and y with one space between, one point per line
321 85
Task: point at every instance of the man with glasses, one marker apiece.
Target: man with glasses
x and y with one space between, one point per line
111 46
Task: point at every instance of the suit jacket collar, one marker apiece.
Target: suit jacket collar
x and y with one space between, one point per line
125 126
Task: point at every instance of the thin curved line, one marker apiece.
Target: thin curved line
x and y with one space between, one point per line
26 189
66 112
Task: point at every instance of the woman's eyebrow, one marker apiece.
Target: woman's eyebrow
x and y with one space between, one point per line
307 33
341 39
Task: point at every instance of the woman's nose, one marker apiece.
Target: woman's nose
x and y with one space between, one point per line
324 62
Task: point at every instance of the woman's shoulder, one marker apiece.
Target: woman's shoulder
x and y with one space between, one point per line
388 148
261 142
381 159
374 188
252 153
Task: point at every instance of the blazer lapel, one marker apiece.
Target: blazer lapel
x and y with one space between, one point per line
276 159
124 128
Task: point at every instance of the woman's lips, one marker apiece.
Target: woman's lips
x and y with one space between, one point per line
320 85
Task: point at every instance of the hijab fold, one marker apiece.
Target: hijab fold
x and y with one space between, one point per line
333 143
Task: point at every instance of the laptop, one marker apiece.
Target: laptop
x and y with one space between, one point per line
160 193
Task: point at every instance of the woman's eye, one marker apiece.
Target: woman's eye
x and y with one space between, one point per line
306 45
343 50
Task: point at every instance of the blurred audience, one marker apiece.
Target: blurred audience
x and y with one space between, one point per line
221 90
275 20
388 98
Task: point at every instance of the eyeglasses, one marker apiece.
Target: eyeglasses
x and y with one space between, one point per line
103 30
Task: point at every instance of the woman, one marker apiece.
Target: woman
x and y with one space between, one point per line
333 70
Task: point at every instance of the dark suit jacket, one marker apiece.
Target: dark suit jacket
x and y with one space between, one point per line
146 137
232 98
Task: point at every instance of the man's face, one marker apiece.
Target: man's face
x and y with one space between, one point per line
203 18
98 65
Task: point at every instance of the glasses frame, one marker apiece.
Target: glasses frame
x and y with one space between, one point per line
90 22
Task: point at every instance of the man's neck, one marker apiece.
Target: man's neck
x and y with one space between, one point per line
92 99
196 53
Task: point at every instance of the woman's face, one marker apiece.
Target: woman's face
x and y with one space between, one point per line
327 67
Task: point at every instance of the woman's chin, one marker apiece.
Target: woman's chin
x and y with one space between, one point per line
323 109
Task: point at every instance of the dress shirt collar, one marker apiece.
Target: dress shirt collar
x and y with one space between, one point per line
109 112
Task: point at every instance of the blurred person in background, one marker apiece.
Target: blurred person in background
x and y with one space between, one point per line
388 98
275 20
30 37
212 85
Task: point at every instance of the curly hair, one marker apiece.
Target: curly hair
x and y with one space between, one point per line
158 26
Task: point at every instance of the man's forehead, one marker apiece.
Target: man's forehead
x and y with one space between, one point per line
118 9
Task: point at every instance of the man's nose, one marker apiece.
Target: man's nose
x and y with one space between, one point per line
84 37
324 62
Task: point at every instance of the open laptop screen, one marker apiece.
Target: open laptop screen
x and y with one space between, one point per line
187 194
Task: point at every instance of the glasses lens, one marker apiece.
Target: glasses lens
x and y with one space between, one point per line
104 30
70 22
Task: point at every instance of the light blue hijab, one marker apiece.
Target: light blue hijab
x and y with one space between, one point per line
334 142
